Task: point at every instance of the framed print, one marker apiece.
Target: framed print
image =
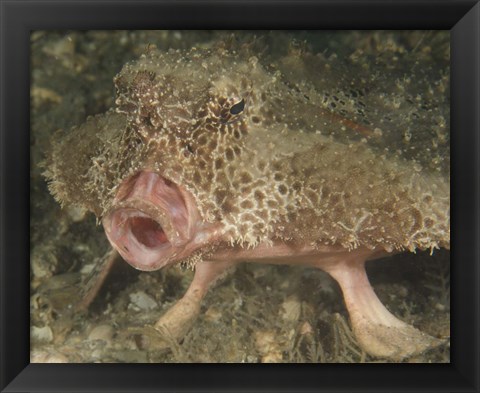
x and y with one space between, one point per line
212 184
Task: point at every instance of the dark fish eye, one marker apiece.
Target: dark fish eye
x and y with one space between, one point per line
238 107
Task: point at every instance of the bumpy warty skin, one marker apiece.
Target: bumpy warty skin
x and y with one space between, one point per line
294 146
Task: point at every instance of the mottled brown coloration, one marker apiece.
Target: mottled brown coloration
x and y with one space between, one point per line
291 147
172 117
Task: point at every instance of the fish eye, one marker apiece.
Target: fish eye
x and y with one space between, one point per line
238 107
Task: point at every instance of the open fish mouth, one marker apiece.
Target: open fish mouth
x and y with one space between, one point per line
149 223
147 231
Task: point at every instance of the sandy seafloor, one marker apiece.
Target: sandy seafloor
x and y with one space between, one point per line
259 314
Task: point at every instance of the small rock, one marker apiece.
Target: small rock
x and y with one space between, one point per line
274 357
291 308
88 268
41 334
62 47
305 329
42 94
43 262
97 355
130 356
402 291
266 342
101 332
41 356
141 301
76 213
213 314
260 271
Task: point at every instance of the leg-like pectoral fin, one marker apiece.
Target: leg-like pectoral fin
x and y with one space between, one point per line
178 320
377 331
94 281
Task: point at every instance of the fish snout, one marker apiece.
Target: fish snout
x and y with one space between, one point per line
150 223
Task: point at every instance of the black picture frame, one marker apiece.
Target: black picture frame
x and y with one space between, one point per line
19 17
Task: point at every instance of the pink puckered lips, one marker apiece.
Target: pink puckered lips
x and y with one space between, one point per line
151 221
